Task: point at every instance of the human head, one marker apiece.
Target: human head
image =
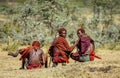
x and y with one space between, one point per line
80 32
36 43
62 32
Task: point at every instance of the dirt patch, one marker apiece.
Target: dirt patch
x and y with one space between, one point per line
102 69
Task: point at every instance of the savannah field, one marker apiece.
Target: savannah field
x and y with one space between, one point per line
108 67
36 22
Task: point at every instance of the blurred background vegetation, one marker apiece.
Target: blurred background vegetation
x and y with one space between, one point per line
22 21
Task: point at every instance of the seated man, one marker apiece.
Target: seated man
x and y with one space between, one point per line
33 56
85 48
60 49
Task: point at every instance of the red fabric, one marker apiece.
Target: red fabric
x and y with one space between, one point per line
75 56
25 52
59 58
84 43
62 44
33 66
63 49
93 56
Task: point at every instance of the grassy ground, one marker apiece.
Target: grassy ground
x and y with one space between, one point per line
108 67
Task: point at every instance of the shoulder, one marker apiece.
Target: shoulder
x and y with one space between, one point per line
89 37
91 40
40 50
60 39
86 38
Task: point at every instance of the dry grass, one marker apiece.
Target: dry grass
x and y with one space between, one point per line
108 67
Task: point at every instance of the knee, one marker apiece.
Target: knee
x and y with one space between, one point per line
71 55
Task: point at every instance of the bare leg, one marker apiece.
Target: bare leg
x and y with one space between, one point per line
46 60
23 63
15 55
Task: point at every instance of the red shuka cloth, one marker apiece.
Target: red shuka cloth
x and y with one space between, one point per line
83 46
62 44
33 66
84 43
60 58
63 48
25 52
92 56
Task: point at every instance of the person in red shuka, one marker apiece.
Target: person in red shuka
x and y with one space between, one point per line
85 48
60 49
33 56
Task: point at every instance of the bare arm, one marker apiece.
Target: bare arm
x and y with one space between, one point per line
72 47
42 57
13 54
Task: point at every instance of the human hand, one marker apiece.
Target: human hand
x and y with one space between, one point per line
10 53
76 42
